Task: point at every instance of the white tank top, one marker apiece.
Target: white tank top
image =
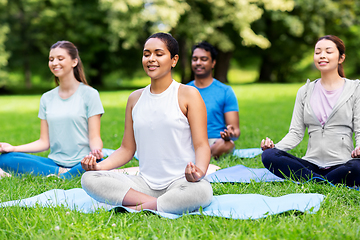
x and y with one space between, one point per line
163 138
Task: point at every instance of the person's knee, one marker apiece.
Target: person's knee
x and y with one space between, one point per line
348 174
267 157
221 147
204 193
187 197
88 179
4 157
8 156
75 171
11 161
354 166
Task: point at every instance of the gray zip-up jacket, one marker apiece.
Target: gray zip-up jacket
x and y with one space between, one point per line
332 143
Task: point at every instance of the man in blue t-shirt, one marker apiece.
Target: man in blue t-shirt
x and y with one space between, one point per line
221 103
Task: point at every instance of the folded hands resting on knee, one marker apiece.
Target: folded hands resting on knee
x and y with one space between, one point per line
228 133
6 147
356 152
193 173
89 162
267 143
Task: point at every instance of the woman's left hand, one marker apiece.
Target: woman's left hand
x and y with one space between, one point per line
356 153
266 144
193 173
97 153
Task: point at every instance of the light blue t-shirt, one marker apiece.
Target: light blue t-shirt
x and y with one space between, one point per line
68 123
219 99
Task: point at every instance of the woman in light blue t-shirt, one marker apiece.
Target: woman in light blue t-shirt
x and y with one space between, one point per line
70 122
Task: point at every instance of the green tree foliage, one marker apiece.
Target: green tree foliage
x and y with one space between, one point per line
227 25
110 33
4 55
23 18
37 24
293 35
81 22
132 21
349 31
221 22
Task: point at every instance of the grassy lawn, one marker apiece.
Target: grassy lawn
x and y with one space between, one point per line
265 110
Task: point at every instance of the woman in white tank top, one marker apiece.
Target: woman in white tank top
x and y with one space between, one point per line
165 123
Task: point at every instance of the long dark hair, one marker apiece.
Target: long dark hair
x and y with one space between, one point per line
340 46
74 54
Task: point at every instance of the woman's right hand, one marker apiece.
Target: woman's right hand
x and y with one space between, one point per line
267 143
356 152
89 163
6 147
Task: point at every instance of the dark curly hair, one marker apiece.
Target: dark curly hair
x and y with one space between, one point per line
170 42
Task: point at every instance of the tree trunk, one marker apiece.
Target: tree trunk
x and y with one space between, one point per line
96 80
266 70
183 61
356 69
222 66
27 71
25 46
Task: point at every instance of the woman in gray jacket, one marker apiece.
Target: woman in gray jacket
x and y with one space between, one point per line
329 107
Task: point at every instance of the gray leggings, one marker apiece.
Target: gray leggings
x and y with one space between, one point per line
179 197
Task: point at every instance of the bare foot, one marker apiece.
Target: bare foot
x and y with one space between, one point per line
212 168
4 174
63 170
152 205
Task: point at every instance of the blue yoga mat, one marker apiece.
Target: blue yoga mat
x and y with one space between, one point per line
247 153
240 173
236 206
241 153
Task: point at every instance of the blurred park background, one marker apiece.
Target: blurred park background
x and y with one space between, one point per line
258 40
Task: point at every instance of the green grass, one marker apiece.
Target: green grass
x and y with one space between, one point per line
265 110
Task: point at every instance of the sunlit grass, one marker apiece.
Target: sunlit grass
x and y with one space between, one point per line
242 76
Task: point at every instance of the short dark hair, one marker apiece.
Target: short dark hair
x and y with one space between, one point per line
170 42
207 47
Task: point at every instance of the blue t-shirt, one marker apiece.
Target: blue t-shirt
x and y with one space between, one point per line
219 99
